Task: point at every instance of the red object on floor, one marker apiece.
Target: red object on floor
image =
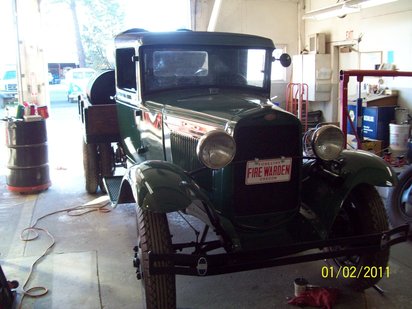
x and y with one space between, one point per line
316 297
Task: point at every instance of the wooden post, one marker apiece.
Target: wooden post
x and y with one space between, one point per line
31 65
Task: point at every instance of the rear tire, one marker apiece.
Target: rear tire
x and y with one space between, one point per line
362 213
159 291
399 206
106 161
91 167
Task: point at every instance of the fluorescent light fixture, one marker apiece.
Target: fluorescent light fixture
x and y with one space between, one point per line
343 8
331 11
370 3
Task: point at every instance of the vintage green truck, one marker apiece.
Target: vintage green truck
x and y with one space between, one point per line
187 121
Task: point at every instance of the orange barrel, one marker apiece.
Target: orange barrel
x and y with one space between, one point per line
28 167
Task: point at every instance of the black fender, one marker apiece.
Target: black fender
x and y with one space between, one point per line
166 186
365 167
325 189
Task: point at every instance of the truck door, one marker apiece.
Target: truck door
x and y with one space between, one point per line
128 105
140 123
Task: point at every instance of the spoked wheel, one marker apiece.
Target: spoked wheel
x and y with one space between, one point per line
399 206
159 291
362 213
91 167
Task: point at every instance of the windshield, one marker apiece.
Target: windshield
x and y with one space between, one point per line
171 68
10 75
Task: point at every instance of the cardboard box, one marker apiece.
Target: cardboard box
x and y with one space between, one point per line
371 145
374 146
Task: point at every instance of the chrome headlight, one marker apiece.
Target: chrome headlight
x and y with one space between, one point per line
216 149
328 142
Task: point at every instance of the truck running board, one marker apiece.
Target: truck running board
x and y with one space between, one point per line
112 185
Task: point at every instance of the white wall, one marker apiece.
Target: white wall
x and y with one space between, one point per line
9 46
275 19
384 28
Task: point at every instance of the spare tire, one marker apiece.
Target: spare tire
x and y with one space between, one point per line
399 207
101 88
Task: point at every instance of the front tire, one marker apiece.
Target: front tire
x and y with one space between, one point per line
362 213
159 291
399 206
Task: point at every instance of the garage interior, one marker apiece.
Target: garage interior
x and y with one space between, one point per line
84 247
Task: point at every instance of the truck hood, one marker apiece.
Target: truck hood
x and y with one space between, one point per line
220 107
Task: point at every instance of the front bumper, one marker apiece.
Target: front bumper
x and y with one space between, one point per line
207 265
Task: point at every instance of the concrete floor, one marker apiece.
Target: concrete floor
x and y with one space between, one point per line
90 265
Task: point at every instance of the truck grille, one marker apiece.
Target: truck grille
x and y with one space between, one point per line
184 151
252 142
265 143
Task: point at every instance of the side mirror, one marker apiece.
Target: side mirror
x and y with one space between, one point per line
285 60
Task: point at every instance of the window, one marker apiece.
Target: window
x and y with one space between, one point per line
180 63
126 69
10 75
278 71
255 67
207 66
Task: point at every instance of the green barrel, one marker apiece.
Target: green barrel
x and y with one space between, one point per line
28 167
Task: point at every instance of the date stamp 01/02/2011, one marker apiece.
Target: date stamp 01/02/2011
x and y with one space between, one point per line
353 272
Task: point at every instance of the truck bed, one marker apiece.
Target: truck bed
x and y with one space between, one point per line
99 122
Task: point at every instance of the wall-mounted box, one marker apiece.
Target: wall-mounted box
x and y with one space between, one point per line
317 43
315 71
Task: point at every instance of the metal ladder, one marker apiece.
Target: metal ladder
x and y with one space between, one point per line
297 101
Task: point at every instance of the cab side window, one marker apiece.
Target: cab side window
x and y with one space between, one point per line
126 69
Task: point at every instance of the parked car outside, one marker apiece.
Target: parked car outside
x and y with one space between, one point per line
76 81
50 78
8 84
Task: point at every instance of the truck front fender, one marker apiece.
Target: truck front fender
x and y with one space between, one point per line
167 187
324 191
364 167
